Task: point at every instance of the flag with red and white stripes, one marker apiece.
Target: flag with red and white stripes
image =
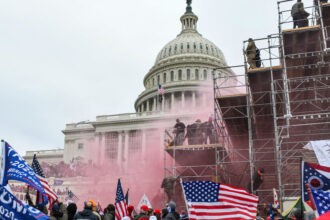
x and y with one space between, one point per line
52 197
208 200
121 206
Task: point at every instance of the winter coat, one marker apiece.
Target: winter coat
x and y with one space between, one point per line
109 216
297 8
85 214
141 216
251 49
172 216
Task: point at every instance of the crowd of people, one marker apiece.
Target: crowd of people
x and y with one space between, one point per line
91 210
197 133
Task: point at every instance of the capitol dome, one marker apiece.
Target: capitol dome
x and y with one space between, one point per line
182 67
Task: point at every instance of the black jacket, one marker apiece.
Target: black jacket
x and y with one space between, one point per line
85 214
172 216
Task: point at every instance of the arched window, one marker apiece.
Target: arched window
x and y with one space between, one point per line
158 79
188 46
172 75
169 50
188 74
181 46
196 74
153 81
201 46
175 48
180 74
164 78
205 75
195 46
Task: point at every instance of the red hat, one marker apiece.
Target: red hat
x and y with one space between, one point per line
157 211
130 209
144 208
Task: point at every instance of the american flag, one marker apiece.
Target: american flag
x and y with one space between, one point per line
321 200
52 197
72 196
161 90
121 207
208 200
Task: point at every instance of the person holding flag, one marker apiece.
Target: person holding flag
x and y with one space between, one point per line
121 206
14 167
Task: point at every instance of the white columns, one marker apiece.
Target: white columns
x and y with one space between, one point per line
144 144
182 100
154 106
126 147
148 109
204 99
194 99
172 101
120 148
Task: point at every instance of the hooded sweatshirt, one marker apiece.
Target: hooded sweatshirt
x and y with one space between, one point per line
85 214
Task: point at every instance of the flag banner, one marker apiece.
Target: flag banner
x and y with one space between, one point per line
58 182
144 201
161 90
321 200
209 200
271 215
127 198
120 205
13 209
322 151
52 197
316 176
17 169
276 203
72 196
297 204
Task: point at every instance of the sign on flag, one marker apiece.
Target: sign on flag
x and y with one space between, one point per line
208 200
322 151
316 176
120 205
52 197
13 209
15 168
321 200
276 203
144 201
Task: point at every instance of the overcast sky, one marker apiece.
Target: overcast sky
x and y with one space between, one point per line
67 61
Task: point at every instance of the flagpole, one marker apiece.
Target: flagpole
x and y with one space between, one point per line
301 184
185 199
2 164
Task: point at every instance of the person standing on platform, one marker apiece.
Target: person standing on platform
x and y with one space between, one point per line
299 15
179 132
209 128
251 52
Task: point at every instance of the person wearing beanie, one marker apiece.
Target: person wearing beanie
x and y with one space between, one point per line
143 213
157 214
87 213
109 212
172 214
164 213
130 210
71 210
58 212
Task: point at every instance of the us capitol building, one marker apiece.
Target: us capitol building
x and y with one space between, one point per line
184 69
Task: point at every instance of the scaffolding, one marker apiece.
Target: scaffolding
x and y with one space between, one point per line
268 114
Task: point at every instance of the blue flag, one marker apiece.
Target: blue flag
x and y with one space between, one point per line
322 201
13 209
271 215
316 176
15 168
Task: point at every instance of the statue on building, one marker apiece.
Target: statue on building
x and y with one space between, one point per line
189 2
168 186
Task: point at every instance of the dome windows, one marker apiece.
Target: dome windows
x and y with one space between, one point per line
181 46
188 46
180 74
175 48
169 51
207 48
153 81
172 76
201 46
196 74
158 79
205 75
188 74
164 78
